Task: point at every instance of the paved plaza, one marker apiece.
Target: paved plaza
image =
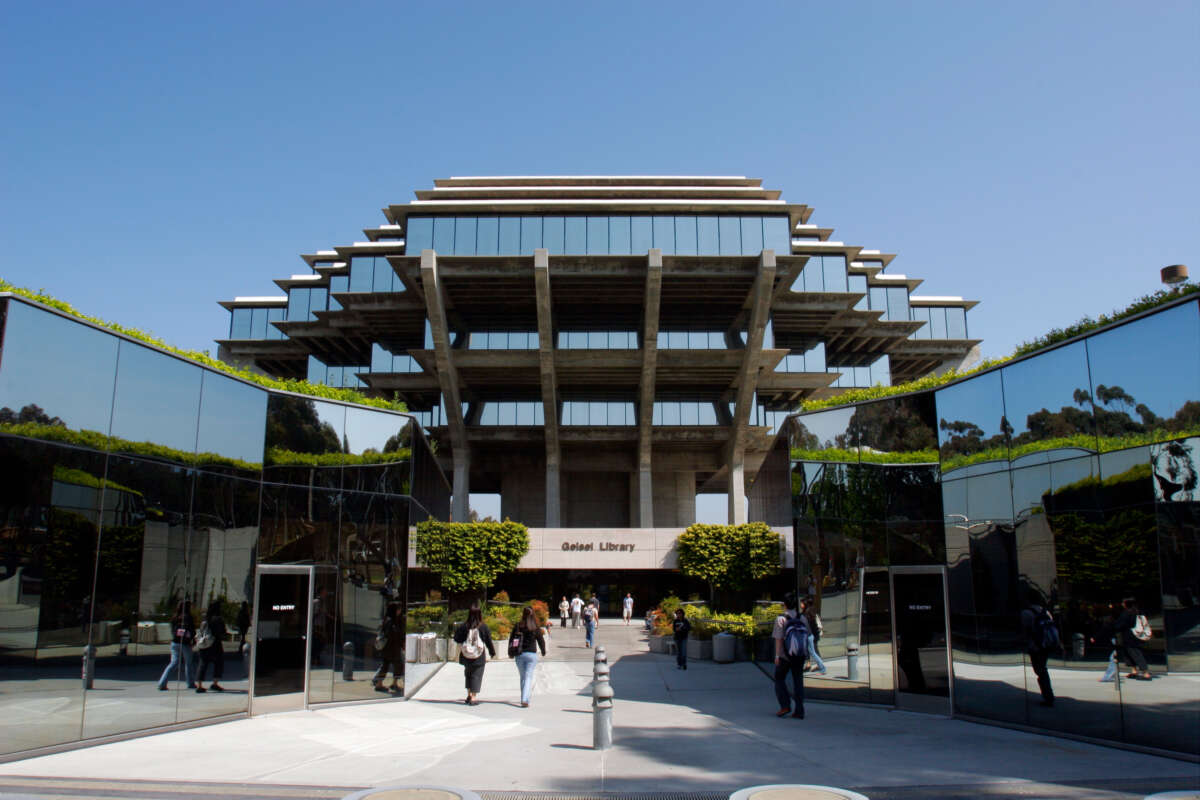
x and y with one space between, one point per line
708 730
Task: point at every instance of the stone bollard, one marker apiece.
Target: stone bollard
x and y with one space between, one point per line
601 655
348 661
89 666
602 707
852 662
124 641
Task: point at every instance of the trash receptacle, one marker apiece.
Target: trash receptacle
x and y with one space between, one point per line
428 648
723 648
410 647
1078 646
852 662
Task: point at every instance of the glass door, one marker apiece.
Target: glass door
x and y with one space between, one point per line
922 643
282 632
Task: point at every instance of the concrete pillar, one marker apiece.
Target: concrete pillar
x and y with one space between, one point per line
737 494
461 499
645 495
553 497
549 383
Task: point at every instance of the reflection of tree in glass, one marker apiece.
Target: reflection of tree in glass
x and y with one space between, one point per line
293 424
893 427
30 413
1109 416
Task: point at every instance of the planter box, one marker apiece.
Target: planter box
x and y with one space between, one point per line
741 650
658 644
700 650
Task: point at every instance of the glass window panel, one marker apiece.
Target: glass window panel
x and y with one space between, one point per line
56 368
443 235
834 270
418 235
858 285
239 323
677 340
685 235
879 300
316 370
337 284
297 305
956 323
972 424
487 236
300 427
554 234
508 413
231 420
689 413
510 236
937 323
708 414
490 414
671 413
362 273
730 229
708 241
464 236
381 359
317 299
664 234
716 340
697 340
752 235
575 237
920 314
656 416
897 299
776 236
157 400
813 274
384 277
1048 406
881 373
597 235
641 235
276 314
619 242
531 234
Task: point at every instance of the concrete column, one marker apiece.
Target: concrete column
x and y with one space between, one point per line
644 513
759 304
435 310
541 280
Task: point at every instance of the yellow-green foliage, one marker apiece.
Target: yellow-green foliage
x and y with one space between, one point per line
469 555
729 556
102 442
287 385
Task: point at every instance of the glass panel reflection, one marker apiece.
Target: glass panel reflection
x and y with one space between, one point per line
378 455
1049 406
156 404
303 441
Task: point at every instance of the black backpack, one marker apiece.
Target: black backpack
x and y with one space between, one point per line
795 637
1045 632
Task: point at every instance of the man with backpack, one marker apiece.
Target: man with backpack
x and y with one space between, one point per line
791 649
1041 639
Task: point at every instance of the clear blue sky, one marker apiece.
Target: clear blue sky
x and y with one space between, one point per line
1041 158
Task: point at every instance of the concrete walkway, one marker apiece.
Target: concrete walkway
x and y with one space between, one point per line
709 729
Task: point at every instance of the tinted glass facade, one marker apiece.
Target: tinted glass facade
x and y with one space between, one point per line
1064 481
686 235
134 479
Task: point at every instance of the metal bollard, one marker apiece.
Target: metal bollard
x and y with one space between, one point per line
89 666
602 706
348 661
124 640
852 662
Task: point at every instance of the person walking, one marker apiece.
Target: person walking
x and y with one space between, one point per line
589 624
184 635
789 632
627 607
214 654
243 623
576 610
680 627
564 610
475 644
1041 640
527 652
390 644
1133 629
815 629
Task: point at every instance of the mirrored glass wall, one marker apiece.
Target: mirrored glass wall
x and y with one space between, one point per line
139 492
1060 487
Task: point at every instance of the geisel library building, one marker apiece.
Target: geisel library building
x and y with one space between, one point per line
599 351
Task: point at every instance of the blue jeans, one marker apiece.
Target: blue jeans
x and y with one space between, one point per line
526 663
814 655
590 635
178 652
681 652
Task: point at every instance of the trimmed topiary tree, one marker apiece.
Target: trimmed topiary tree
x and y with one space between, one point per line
467 556
730 556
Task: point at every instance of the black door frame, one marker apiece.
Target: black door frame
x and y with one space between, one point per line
927 706
282 569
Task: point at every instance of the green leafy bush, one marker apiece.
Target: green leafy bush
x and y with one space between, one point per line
470 555
729 556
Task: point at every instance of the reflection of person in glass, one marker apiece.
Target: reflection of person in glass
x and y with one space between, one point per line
1036 619
392 652
913 634
184 633
215 654
1130 644
243 622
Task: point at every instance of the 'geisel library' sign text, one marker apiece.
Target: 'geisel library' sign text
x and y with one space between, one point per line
606 548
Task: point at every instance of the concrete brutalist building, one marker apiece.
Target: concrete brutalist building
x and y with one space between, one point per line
599 350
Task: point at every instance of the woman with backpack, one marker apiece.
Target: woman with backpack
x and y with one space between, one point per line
390 645
474 645
589 623
211 645
526 640
814 635
1133 630
681 628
